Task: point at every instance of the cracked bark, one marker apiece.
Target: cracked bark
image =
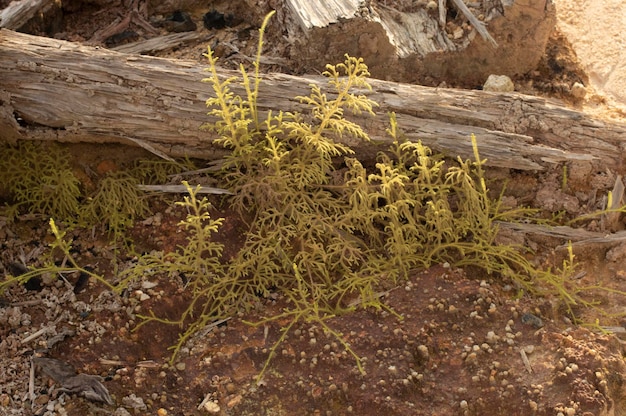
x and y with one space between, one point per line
56 90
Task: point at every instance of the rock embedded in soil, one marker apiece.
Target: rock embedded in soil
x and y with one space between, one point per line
498 83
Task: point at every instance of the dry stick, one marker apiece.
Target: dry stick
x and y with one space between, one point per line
204 401
377 295
180 189
525 360
442 13
142 364
577 236
480 26
161 43
149 147
38 334
209 327
139 20
618 331
118 26
27 303
31 384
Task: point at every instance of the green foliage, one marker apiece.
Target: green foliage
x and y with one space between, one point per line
158 171
62 247
39 178
421 212
327 247
197 263
198 260
116 204
261 149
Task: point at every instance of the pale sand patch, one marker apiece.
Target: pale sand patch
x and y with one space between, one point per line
595 29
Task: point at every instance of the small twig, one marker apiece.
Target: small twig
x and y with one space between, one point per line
209 327
68 285
204 401
480 26
162 43
148 364
214 166
31 384
180 189
117 26
104 361
525 360
139 20
377 295
136 15
27 303
265 60
37 334
442 13
142 364
149 147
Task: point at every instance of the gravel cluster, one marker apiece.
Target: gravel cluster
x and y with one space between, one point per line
32 324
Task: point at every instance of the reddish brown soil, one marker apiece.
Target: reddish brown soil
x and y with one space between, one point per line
451 343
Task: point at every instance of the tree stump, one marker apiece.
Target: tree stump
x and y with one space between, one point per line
418 41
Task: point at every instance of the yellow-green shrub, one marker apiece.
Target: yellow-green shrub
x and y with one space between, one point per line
318 243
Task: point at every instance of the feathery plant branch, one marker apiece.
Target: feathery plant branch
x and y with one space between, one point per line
62 246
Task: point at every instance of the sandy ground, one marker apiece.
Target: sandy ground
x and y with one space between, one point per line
595 30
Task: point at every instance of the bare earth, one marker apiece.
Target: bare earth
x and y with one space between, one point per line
467 343
595 31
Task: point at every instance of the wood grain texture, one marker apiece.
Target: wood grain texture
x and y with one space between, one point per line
20 12
69 92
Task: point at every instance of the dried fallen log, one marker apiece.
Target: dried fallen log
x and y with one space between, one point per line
56 90
18 13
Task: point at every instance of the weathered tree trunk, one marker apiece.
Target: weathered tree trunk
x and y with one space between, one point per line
418 40
18 13
56 90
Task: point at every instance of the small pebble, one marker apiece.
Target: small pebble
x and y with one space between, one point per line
578 90
212 407
532 320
